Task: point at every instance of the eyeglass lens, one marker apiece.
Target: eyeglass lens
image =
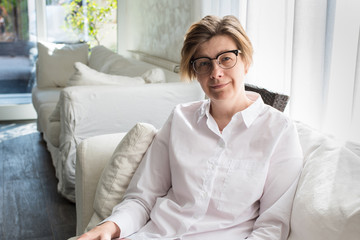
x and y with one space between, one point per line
226 60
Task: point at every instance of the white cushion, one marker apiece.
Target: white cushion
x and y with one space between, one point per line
155 75
327 201
118 172
135 67
130 68
101 58
56 63
104 60
87 76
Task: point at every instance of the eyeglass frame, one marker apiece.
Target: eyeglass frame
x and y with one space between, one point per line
236 52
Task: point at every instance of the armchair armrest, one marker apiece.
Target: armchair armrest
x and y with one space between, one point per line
91 157
87 111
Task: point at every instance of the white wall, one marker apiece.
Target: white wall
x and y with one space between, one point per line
155 27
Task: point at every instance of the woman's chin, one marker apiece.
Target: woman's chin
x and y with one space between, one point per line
220 96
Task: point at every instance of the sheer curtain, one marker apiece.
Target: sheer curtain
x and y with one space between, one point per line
307 49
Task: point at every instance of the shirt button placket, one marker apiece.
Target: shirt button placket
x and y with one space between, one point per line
204 194
222 143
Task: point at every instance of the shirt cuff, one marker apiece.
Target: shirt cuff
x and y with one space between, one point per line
124 223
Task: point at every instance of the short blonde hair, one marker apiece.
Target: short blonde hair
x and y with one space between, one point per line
203 31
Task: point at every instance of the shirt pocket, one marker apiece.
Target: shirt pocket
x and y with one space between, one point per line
243 185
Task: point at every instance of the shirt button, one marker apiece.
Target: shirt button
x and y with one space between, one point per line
203 194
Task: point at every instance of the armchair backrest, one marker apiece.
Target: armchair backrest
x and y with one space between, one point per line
276 100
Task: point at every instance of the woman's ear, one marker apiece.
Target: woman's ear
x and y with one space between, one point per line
246 68
246 64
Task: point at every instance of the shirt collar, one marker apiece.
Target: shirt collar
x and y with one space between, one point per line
204 110
249 114
253 111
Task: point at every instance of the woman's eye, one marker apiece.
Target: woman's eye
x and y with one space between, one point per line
204 64
224 59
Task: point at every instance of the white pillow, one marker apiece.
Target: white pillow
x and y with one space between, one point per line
101 58
327 200
55 62
87 76
104 60
155 75
119 170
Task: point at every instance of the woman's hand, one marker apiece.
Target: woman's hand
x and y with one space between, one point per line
105 231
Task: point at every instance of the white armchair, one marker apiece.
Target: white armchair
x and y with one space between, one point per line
326 204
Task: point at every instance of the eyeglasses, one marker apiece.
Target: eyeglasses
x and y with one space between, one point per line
225 60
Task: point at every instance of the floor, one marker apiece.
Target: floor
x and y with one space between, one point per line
30 207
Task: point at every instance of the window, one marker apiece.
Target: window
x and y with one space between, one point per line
309 50
23 23
56 29
71 21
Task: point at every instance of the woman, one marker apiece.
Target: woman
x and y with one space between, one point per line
226 167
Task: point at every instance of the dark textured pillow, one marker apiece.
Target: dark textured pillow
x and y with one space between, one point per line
276 100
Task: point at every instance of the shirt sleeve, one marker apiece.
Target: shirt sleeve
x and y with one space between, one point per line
285 167
151 180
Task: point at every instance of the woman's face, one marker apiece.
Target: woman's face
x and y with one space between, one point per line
219 83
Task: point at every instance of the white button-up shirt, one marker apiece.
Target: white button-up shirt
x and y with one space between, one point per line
196 182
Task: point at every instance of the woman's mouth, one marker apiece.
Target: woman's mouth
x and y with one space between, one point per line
218 86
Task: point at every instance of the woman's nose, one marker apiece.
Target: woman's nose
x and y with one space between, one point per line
216 70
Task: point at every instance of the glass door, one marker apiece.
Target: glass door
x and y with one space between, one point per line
17 58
